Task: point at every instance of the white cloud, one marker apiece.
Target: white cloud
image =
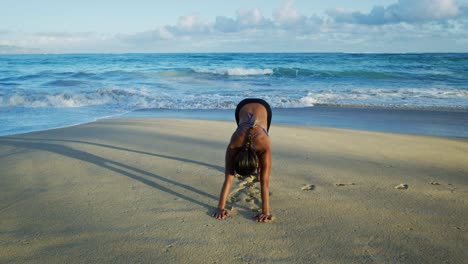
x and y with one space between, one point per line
250 18
410 11
187 25
287 13
429 25
60 41
7 49
163 33
287 17
160 33
226 24
244 20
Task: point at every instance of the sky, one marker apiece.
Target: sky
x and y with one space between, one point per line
118 26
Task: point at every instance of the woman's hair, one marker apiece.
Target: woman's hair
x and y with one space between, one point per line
246 162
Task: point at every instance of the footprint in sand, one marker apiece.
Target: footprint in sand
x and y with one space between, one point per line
344 184
247 192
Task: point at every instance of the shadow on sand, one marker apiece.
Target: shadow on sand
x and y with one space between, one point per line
118 167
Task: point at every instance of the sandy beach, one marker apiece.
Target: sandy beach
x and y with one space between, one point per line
141 190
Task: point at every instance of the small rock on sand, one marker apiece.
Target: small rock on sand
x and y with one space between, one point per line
402 186
308 187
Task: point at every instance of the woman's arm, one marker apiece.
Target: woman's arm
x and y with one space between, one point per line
265 167
221 213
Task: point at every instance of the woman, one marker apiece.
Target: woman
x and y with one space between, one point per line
249 153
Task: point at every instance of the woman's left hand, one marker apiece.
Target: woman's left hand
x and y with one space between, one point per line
263 218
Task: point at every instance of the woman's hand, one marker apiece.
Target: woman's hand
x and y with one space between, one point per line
220 214
263 218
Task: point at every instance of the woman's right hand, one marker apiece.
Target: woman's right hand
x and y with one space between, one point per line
220 214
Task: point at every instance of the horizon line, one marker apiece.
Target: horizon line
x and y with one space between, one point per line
232 52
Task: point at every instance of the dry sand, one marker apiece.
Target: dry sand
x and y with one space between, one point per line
142 190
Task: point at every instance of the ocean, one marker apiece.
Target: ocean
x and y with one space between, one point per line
407 93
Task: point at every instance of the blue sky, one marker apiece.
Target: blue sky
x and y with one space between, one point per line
233 26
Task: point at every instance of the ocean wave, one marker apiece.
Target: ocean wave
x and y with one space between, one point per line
117 98
79 78
9 84
235 71
361 74
58 76
389 97
141 98
105 96
65 83
290 72
293 72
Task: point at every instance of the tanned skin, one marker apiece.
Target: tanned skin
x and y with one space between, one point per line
262 148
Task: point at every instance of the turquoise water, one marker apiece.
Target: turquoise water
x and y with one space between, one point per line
39 92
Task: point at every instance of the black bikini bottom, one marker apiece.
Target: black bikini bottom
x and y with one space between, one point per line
257 101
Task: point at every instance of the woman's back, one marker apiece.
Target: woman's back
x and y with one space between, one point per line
253 121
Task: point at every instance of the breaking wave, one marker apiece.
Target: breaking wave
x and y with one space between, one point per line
141 98
291 72
235 71
408 97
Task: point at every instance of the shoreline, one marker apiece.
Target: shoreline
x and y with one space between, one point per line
444 122
397 107
432 122
142 189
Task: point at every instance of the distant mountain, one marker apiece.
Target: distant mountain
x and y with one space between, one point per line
8 49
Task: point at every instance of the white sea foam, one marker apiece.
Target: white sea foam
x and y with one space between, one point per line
117 98
390 97
141 98
54 100
235 71
68 99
